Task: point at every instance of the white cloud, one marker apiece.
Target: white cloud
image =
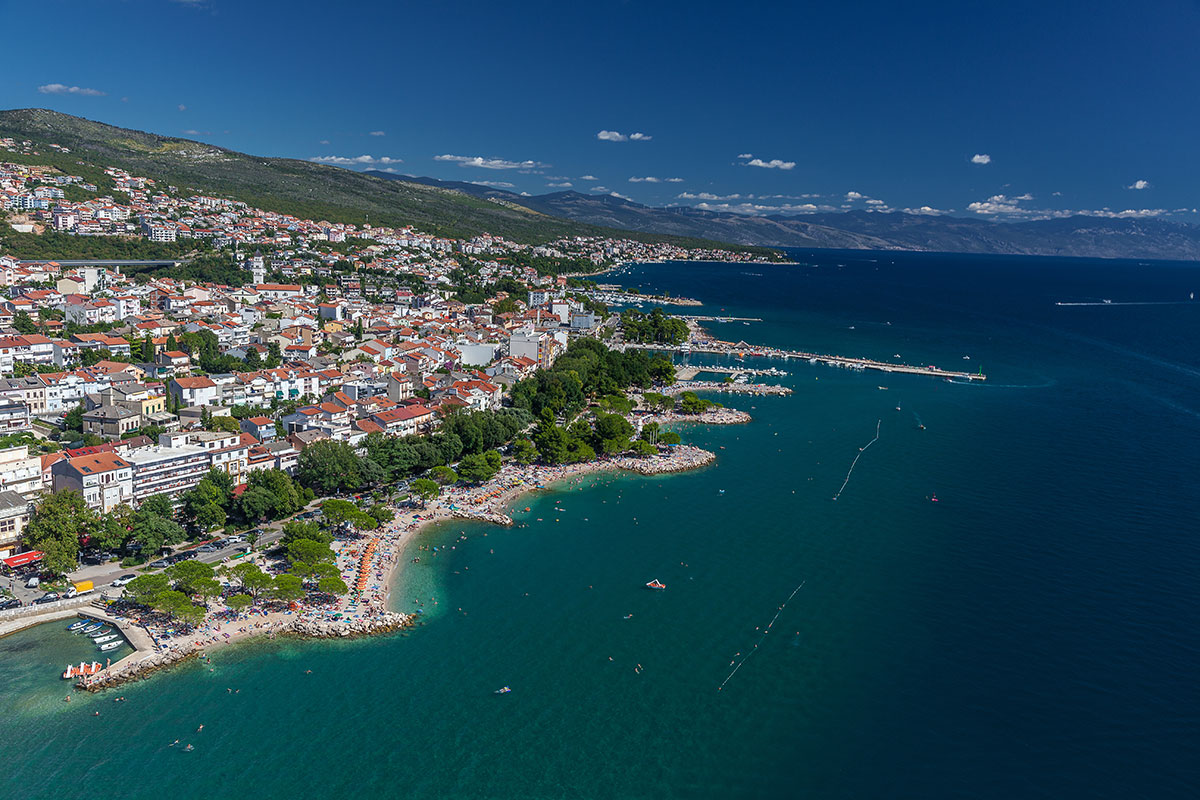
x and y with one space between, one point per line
494 184
854 196
981 158
599 189
674 180
323 141
926 211
58 88
561 185
588 178
617 136
999 205
376 133
618 194
759 209
353 161
194 132
745 155
489 163
652 179
1139 184
774 163
182 107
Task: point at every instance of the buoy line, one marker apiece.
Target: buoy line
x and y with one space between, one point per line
760 638
854 463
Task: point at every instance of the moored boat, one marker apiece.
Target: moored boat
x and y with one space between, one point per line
104 648
83 623
656 585
82 670
502 690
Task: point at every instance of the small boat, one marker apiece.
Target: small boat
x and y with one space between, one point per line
82 670
90 629
502 690
656 585
78 625
100 633
107 638
629 616
104 648
882 388
897 408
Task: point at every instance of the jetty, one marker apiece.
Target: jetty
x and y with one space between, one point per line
742 349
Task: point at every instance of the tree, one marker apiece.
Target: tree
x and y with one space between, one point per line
306 551
524 451
224 424
189 576
328 466
116 530
425 489
281 487
332 585
295 530
643 448
443 475
256 504
178 605
24 323
479 468
144 590
239 602
690 403
287 587
612 433
669 437
381 513
73 421
59 521
251 577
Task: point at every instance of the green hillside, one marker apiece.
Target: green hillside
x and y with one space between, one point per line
313 191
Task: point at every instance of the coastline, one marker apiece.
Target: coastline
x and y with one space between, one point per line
379 559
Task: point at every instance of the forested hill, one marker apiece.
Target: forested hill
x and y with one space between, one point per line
302 188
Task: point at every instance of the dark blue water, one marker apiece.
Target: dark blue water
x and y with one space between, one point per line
1032 634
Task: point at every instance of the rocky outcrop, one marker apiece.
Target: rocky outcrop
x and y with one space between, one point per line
130 670
329 629
679 459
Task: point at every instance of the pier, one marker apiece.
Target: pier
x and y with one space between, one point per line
741 349
686 372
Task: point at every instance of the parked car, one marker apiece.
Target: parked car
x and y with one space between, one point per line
49 597
33 582
9 602
208 548
160 563
185 555
124 579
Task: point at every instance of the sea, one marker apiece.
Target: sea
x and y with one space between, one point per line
1032 633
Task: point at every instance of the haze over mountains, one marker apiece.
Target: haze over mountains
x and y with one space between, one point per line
1079 236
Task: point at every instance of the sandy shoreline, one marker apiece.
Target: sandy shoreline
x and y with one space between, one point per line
371 565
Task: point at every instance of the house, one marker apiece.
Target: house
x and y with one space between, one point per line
404 421
14 516
104 479
261 428
14 418
111 422
20 472
194 391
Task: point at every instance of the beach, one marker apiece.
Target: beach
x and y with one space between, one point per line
368 563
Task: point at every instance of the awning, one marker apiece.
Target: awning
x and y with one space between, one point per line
21 559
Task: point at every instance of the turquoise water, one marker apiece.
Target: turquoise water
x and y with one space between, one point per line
1032 634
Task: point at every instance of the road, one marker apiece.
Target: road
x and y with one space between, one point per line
103 575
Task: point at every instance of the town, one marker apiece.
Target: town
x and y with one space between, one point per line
209 397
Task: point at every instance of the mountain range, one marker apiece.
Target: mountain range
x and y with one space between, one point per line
1078 236
461 209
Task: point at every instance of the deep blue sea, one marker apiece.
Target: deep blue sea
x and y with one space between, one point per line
1034 633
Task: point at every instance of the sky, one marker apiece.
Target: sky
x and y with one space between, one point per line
1012 110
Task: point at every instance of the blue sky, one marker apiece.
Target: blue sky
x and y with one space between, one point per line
1006 111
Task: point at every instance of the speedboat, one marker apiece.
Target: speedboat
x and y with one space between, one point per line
107 638
502 690
104 648
656 585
